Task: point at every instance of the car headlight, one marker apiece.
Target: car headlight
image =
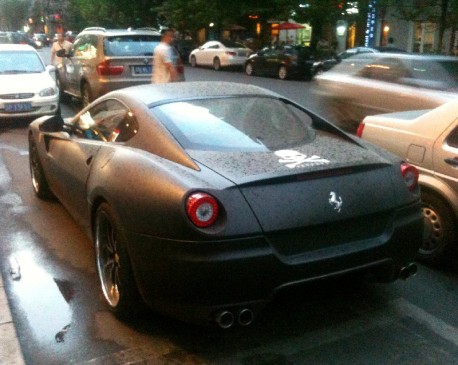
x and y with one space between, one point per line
49 91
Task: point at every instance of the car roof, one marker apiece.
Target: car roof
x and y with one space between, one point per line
150 94
16 47
112 32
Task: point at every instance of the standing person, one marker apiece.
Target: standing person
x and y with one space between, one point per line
60 43
163 66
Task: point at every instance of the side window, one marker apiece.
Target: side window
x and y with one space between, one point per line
108 121
86 47
452 139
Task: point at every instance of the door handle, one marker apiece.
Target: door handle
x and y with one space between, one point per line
452 161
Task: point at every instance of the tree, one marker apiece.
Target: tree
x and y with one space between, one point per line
14 13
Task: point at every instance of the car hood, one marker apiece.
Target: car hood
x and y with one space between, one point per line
25 83
329 179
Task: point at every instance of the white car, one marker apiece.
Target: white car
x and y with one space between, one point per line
27 86
427 139
219 54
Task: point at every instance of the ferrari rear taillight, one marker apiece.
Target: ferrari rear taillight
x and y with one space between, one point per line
231 53
202 209
105 69
360 129
410 175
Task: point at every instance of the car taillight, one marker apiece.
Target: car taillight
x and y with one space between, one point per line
359 131
410 175
231 53
202 209
105 69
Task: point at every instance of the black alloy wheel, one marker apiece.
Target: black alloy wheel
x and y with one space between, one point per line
216 64
39 183
113 265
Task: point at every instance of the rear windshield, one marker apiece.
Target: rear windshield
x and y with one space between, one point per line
131 45
236 124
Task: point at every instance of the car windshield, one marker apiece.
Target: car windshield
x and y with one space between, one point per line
236 124
14 62
131 45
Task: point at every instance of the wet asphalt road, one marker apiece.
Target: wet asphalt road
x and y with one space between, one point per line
61 318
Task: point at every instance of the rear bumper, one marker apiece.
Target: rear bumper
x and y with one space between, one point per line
198 279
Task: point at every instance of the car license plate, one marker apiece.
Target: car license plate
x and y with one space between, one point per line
18 107
143 70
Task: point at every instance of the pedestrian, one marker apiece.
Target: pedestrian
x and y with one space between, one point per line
59 44
163 65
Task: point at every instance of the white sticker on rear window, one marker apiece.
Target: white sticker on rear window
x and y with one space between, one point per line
293 159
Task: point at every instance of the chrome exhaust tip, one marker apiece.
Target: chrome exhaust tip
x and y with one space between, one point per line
245 317
408 271
225 319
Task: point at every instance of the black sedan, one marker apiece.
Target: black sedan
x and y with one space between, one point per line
283 62
204 199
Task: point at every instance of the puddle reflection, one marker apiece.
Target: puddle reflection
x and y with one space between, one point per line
42 298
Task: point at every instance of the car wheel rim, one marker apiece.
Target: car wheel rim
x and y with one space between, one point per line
282 73
216 64
193 61
34 168
249 69
108 259
433 231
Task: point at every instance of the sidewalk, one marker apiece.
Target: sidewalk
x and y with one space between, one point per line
10 351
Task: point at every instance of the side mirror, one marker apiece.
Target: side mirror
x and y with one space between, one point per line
51 69
55 123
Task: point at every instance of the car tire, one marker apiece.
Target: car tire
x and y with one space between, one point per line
216 64
113 265
193 61
249 69
39 183
86 94
440 232
282 72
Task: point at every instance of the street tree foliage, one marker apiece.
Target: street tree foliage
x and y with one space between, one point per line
112 13
14 13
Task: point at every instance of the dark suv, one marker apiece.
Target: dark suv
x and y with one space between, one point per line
102 60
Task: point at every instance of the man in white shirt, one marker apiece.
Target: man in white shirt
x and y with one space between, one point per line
163 66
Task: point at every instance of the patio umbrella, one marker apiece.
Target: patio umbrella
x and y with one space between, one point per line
287 26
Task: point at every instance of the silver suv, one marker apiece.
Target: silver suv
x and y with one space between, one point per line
102 60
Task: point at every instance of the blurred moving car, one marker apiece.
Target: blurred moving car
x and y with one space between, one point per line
283 62
102 60
204 199
427 139
27 88
219 54
369 84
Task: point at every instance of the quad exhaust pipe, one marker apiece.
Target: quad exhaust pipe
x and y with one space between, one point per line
408 271
226 319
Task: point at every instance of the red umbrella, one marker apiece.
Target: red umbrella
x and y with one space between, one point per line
285 26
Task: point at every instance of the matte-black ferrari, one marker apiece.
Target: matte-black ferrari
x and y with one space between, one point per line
203 199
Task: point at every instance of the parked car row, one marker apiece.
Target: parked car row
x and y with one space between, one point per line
283 61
